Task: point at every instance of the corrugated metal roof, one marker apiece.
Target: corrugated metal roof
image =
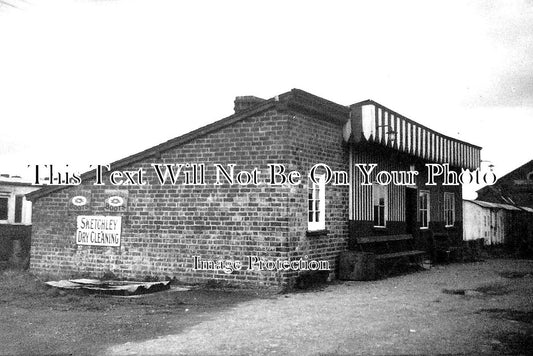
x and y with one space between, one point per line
487 204
490 205
528 209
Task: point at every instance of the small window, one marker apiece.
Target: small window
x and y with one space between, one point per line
423 204
317 204
530 176
380 204
3 208
449 209
18 208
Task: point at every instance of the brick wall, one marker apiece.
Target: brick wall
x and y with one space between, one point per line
165 226
316 141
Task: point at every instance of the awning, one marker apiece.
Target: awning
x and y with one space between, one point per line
372 122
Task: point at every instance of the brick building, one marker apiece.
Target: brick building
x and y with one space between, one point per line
161 228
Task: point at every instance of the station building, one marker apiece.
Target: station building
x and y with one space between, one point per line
165 230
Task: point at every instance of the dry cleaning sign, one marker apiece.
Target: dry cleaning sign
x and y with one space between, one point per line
98 230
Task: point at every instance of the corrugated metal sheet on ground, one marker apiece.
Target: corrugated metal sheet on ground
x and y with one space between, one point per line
111 287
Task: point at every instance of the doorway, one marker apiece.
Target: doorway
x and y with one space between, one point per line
411 199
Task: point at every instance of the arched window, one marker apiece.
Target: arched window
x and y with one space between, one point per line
530 176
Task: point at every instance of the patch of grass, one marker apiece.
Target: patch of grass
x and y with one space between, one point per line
493 289
454 291
20 282
218 284
512 314
516 343
513 274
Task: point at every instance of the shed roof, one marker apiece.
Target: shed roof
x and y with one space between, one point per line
6 179
486 204
527 208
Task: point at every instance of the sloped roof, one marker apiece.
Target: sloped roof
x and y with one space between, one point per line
294 100
526 208
6 179
510 188
528 165
486 204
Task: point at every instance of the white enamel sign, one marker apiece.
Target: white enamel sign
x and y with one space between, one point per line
98 230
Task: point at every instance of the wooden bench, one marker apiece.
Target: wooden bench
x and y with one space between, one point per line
391 248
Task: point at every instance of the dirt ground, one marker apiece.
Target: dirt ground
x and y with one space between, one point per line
475 308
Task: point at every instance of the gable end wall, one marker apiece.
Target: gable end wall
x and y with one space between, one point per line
165 226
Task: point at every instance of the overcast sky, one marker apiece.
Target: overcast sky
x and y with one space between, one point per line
85 82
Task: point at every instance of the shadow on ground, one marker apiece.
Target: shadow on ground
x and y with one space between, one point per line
38 319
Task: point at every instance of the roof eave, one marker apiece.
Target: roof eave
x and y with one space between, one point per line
156 151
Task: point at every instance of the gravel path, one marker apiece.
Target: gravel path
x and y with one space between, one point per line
408 314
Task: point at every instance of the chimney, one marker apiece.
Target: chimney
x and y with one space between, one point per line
243 103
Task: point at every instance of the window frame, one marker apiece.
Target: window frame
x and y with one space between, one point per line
427 209
316 192
7 209
449 207
380 192
20 211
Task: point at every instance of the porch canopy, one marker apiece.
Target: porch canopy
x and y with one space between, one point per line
372 122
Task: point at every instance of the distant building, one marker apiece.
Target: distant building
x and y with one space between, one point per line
15 217
515 188
494 222
503 212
